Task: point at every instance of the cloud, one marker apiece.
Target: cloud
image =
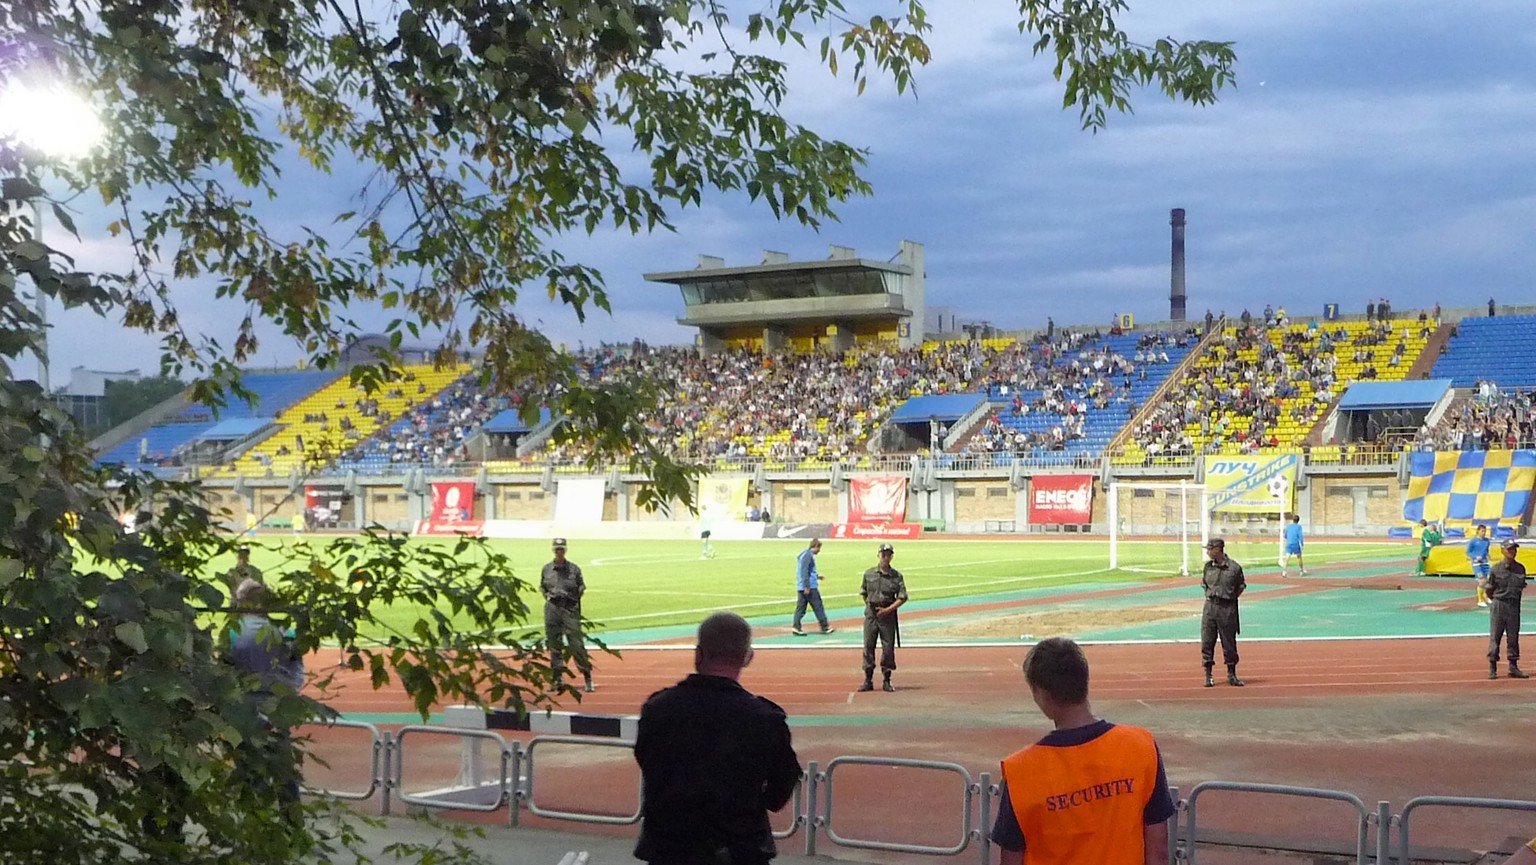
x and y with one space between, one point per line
1387 152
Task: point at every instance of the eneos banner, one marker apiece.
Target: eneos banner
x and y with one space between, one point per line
1060 499
1252 484
877 499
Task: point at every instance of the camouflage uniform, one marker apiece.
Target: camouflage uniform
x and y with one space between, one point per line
562 587
883 586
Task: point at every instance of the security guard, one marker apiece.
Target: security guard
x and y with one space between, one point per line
884 590
242 571
1223 583
562 587
1506 582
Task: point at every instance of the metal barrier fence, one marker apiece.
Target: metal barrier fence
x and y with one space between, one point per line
812 805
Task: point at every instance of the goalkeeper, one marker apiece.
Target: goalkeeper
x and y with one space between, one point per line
1429 538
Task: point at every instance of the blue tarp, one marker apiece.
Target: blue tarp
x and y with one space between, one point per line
1368 395
233 429
947 408
507 421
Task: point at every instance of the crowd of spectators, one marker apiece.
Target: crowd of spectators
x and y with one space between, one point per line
430 432
797 406
1066 377
1491 419
1249 375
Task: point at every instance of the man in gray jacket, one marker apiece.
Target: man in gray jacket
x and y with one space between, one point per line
1506 583
1223 583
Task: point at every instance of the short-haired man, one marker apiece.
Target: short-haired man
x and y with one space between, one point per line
1506 585
267 651
1090 790
1477 554
1223 583
884 591
714 759
1293 544
808 589
562 586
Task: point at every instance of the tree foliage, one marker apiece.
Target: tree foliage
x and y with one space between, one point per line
479 134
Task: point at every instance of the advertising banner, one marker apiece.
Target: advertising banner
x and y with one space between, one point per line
881 531
877 499
803 531
722 500
579 500
1056 500
475 528
1252 484
452 502
322 507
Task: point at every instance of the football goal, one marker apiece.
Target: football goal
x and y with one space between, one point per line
1158 528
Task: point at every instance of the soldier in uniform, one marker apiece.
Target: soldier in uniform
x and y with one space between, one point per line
884 590
562 587
1506 582
1223 582
242 571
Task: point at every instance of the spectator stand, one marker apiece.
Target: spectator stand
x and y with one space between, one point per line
1272 384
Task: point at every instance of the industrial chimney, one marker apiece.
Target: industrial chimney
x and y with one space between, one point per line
1176 286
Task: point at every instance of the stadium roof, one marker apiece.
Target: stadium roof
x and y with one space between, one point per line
508 421
1368 395
947 408
233 429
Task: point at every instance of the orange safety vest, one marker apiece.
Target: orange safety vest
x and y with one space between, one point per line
1084 803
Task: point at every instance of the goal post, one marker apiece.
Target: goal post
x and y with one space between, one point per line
1157 527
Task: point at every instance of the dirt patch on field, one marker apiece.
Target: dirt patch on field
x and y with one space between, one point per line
1046 623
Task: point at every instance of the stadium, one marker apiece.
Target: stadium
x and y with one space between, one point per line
1060 480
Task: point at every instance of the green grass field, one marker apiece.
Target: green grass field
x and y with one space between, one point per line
643 584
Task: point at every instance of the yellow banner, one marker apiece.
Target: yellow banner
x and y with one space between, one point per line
1252 484
722 500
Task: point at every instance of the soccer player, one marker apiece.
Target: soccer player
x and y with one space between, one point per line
1429 538
708 550
1293 542
1477 553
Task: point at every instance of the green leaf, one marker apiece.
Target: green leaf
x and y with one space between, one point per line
132 634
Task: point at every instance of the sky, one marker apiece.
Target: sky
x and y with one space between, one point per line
1383 148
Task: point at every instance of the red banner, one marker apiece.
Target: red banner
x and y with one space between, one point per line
452 502
883 531
1060 499
877 500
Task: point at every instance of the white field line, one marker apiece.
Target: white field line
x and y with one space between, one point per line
789 597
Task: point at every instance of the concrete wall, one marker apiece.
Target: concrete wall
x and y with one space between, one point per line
805 502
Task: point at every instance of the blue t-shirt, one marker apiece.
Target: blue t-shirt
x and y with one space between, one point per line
1006 832
1477 550
1293 536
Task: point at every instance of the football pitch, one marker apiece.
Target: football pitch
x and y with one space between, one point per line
640 585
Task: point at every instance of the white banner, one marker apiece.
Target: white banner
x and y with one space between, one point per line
579 500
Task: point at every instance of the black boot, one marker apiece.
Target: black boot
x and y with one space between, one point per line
1232 678
888 687
1493 669
589 687
1210 681
869 684
1517 673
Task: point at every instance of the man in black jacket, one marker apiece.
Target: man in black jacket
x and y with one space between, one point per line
714 758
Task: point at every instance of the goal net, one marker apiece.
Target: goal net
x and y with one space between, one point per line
1157 528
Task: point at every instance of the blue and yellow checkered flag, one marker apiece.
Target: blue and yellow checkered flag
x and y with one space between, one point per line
1487 487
